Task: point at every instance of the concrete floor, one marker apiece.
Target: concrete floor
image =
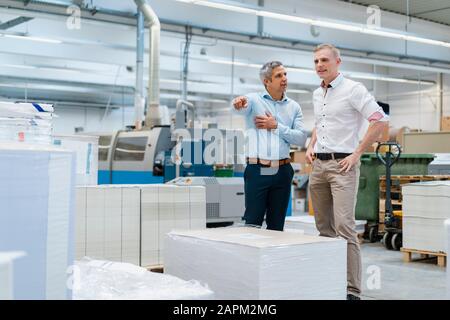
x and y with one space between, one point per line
398 280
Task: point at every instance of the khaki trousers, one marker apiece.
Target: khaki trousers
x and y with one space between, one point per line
333 196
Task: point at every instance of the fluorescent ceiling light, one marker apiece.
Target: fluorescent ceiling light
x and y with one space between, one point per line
355 75
38 39
21 66
320 23
297 91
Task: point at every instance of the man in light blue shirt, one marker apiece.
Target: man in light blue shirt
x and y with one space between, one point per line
274 122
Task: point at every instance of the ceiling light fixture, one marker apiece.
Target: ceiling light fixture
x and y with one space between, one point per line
29 38
354 75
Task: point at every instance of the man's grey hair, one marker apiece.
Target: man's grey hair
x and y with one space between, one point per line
333 49
266 70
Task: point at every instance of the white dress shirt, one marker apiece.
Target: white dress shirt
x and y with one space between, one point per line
340 111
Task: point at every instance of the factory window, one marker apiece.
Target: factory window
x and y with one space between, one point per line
103 147
130 149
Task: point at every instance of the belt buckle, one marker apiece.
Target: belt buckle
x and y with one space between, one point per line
274 163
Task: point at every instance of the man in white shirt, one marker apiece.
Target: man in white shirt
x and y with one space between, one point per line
341 108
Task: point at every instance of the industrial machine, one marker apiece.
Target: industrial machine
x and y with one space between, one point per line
127 157
225 201
198 153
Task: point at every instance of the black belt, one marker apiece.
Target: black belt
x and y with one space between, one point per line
331 156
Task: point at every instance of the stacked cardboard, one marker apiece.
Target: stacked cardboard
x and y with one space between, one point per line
425 209
250 263
37 189
127 223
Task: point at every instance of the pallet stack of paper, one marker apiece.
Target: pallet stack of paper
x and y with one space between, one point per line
26 122
107 280
249 263
127 223
37 197
425 208
308 224
447 230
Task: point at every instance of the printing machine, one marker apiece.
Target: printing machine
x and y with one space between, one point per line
225 201
128 157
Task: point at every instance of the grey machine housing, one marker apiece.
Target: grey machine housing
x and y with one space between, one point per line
225 201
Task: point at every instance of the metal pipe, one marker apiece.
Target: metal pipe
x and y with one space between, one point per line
153 115
139 99
180 118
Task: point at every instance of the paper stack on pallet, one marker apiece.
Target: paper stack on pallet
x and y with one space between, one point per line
107 280
447 230
128 223
425 208
250 263
26 122
37 190
308 225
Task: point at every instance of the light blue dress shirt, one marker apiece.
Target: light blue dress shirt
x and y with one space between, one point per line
273 144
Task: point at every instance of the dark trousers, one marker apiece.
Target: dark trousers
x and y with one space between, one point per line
267 192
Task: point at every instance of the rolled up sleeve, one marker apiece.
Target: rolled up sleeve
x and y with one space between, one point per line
365 103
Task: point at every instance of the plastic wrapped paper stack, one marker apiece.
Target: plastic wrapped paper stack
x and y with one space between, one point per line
26 122
37 190
250 263
107 280
425 209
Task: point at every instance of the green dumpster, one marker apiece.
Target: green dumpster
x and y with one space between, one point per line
367 205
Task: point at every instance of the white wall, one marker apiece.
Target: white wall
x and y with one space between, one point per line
91 119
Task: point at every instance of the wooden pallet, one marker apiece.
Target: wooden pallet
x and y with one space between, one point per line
396 190
159 268
441 256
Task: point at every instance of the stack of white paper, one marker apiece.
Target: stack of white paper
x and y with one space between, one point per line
107 280
108 222
250 263
150 225
425 208
86 148
26 122
308 224
7 272
447 230
128 223
37 216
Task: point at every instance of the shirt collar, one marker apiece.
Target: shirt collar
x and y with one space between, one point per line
335 82
266 95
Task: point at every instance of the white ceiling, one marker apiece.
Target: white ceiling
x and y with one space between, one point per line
95 65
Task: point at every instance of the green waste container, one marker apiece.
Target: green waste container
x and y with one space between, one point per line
367 205
224 172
